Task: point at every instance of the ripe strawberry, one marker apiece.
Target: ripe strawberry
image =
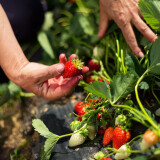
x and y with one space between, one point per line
128 136
72 1
72 68
101 79
108 135
101 131
149 139
93 65
99 116
89 79
82 111
78 106
119 137
94 101
105 159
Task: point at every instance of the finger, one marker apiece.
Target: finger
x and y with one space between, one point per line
144 29
73 56
129 35
62 58
50 72
103 23
85 69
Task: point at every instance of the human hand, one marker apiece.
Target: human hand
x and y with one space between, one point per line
47 81
125 13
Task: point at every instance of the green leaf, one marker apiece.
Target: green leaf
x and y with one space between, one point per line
41 128
81 25
48 146
9 91
5 97
151 12
133 64
85 23
45 44
154 67
122 85
140 158
13 88
3 88
99 89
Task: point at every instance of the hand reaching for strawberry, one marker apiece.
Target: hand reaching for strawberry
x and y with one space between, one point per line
47 81
126 14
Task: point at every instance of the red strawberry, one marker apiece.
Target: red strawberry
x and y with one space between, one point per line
82 111
101 131
105 159
93 65
72 68
72 1
78 106
94 101
99 116
128 136
108 135
89 79
119 137
101 79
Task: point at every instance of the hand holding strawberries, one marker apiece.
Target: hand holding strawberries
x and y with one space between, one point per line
47 81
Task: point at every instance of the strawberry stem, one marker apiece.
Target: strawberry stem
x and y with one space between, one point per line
148 118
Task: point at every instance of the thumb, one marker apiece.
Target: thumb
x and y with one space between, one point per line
103 23
52 71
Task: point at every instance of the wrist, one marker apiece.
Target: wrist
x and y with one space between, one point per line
14 71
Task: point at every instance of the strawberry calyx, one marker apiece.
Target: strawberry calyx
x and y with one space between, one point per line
78 63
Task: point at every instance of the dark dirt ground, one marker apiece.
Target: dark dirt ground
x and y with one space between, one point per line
16 130
16 133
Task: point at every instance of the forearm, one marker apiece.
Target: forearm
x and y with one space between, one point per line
12 58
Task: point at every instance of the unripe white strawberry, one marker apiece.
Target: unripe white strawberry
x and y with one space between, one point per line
99 155
149 139
157 112
124 154
76 139
91 131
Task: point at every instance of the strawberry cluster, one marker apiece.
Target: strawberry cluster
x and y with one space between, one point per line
117 135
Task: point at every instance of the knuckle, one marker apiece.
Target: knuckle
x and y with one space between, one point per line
131 39
143 29
122 20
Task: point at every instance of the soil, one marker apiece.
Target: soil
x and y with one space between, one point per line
16 132
15 128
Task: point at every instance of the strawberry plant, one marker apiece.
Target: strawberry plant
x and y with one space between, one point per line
118 95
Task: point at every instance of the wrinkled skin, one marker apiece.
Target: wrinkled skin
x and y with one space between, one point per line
42 80
47 81
125 13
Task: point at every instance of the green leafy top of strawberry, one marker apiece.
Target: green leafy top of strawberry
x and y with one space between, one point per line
78 63
73 68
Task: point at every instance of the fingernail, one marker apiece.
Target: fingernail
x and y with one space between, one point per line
140 54
60 67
